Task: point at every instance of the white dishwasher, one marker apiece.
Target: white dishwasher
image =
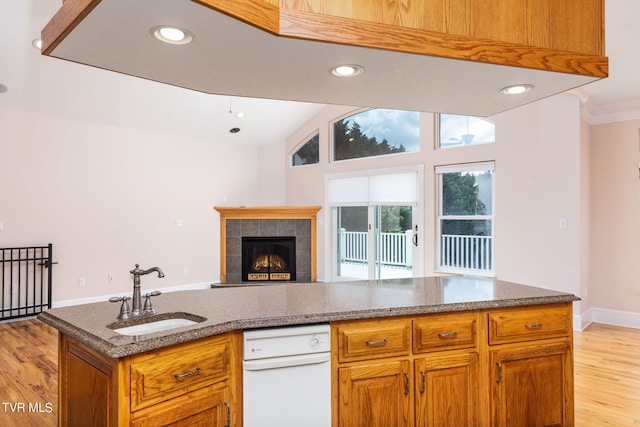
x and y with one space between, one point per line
287 377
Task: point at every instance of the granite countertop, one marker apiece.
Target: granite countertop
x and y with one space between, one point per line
228 308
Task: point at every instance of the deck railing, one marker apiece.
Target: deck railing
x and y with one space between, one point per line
459 252
395 248
466 252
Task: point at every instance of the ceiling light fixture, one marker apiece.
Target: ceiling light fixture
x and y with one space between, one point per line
234 130
37 43
171 34
347 70
516 89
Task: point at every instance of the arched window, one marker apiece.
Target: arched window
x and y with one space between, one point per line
376 132
458 131
308 153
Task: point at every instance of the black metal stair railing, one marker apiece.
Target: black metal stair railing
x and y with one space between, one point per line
26 275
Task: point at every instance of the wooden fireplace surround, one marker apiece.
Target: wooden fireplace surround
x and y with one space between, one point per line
266 212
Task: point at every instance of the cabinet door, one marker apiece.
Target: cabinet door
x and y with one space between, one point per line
533 386
87 387
375 395
446 390
208 407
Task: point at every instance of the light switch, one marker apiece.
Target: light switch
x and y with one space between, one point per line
563 223
179 223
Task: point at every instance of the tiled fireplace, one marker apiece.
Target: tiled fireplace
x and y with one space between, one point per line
295 225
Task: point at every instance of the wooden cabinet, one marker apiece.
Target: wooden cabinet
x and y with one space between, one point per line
191 384
446 378
404 372
446 390
367 384
508 367
531 360
375 394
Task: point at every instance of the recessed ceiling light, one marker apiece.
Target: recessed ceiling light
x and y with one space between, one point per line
234 130
172 34
37 43
516 89
240 114
347 70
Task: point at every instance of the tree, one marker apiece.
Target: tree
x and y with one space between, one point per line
351 143
460 197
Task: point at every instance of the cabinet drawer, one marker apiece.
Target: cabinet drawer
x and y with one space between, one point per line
525 324
208 406
177 370
445 332
373 339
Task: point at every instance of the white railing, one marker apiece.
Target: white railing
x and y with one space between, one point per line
353 246
466 252
395 248
460 252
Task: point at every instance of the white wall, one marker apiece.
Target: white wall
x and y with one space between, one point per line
615 230
539 174
108 197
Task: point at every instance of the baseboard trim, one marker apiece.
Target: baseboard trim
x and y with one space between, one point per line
102 298
628 319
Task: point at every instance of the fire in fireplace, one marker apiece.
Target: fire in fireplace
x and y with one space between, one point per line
268 259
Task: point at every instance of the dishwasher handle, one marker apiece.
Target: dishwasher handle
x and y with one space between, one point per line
286 361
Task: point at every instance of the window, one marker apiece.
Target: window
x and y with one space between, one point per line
465 217
309 153
464 130
376 223
376 133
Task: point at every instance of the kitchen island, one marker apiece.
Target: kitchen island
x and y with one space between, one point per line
476 339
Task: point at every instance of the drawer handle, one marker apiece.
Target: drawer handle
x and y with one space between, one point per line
228 422
407 385
187 374
449 335
533 325
383 342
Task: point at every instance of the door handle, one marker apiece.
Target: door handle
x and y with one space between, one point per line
415 236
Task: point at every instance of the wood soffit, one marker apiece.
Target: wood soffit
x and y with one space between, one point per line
508 35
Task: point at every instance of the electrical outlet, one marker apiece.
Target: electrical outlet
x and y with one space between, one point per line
14 288
185 271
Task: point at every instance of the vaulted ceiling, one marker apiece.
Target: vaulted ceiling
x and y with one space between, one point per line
55 87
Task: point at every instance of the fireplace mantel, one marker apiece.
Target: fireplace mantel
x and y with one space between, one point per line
268 213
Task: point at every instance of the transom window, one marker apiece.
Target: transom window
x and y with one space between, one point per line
376 132
458 131
308 153
465 217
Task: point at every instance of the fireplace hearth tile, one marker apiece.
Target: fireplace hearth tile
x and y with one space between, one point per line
303 227
250 227
268 227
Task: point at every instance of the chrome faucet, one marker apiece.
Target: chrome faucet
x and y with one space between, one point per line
137 309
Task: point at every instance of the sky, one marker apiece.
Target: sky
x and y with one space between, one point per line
396 126
400 127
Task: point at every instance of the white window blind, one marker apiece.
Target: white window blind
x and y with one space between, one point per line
374 189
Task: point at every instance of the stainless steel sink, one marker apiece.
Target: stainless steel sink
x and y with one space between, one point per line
154 324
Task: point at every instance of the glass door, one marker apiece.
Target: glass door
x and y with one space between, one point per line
374 242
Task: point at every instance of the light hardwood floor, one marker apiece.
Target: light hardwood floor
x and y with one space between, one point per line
607 375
